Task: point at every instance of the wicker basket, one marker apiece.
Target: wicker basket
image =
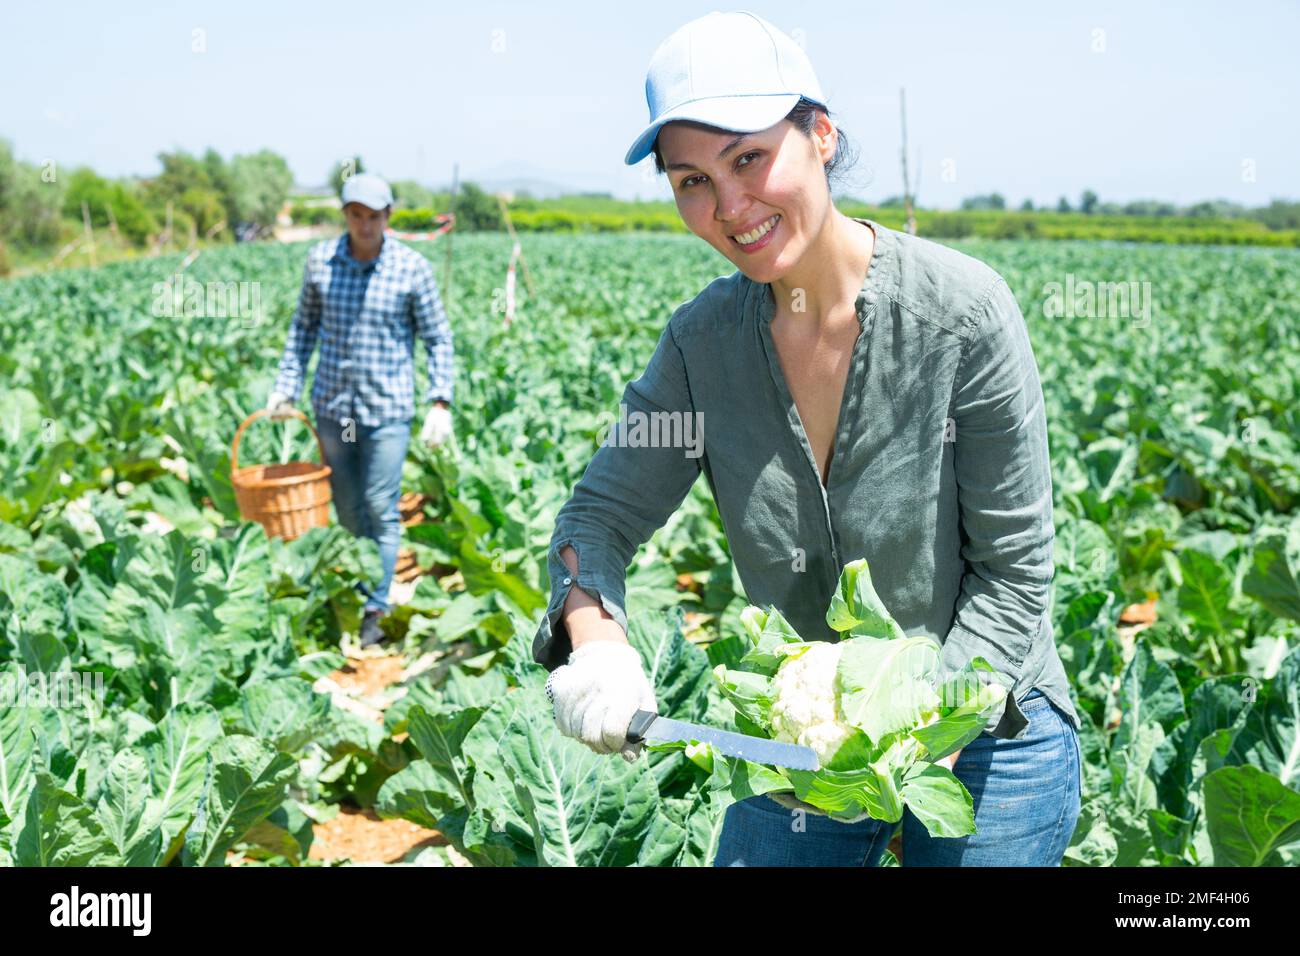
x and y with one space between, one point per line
287 499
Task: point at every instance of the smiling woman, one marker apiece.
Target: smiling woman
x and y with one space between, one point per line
863 394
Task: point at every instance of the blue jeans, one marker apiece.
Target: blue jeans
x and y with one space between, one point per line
1026 794
366 482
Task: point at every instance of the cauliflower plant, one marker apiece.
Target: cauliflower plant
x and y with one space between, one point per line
875 704
805 702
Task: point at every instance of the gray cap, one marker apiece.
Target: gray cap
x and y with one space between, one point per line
367 189
734 71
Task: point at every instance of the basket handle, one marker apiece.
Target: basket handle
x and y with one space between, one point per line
261 413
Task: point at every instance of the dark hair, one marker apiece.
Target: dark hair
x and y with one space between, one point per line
804 118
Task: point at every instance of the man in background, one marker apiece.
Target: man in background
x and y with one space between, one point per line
366 296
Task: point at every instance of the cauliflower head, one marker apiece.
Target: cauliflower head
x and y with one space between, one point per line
805 702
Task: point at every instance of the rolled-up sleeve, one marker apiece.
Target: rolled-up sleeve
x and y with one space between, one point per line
627 492
301 341
1004 491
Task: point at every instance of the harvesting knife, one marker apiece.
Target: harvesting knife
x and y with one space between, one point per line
648 726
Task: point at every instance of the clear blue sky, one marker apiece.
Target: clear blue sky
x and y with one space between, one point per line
1011 97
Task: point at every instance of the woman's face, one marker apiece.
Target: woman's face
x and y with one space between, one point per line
768 188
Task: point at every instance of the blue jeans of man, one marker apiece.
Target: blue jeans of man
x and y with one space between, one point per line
366 482
1026 794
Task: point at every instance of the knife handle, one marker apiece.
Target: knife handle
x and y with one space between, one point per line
641 722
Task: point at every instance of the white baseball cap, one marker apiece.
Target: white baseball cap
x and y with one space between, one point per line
734 71
367 189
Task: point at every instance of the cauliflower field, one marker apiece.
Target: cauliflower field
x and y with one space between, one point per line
194 645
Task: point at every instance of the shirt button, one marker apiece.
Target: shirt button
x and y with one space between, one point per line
568 580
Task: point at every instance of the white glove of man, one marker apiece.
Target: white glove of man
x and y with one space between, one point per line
437 426
596 694
280 406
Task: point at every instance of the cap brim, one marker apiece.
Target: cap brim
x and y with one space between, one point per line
738 114
369 204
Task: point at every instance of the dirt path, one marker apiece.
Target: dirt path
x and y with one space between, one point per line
366 685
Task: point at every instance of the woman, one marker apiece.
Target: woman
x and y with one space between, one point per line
862 393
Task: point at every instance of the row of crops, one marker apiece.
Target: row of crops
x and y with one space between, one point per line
194 732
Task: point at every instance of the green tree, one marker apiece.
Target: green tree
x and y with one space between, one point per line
180 172
408 194
989 201
1215 209
1088 202
205 207
1063 205
476 210
100 196
260 183
1279 214
187 184
342 170
1150 207
219 172
30 202
1027 206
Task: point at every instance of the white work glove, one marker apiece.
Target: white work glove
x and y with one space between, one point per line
596 694
280 406
437 427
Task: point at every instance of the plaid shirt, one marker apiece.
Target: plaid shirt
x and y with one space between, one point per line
366 315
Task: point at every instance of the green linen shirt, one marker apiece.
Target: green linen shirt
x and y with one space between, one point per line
939 474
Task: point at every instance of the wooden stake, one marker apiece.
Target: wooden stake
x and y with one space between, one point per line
909 214
446 269
74 244
510 227
90 233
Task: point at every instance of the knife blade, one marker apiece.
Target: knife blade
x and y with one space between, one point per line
649 726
